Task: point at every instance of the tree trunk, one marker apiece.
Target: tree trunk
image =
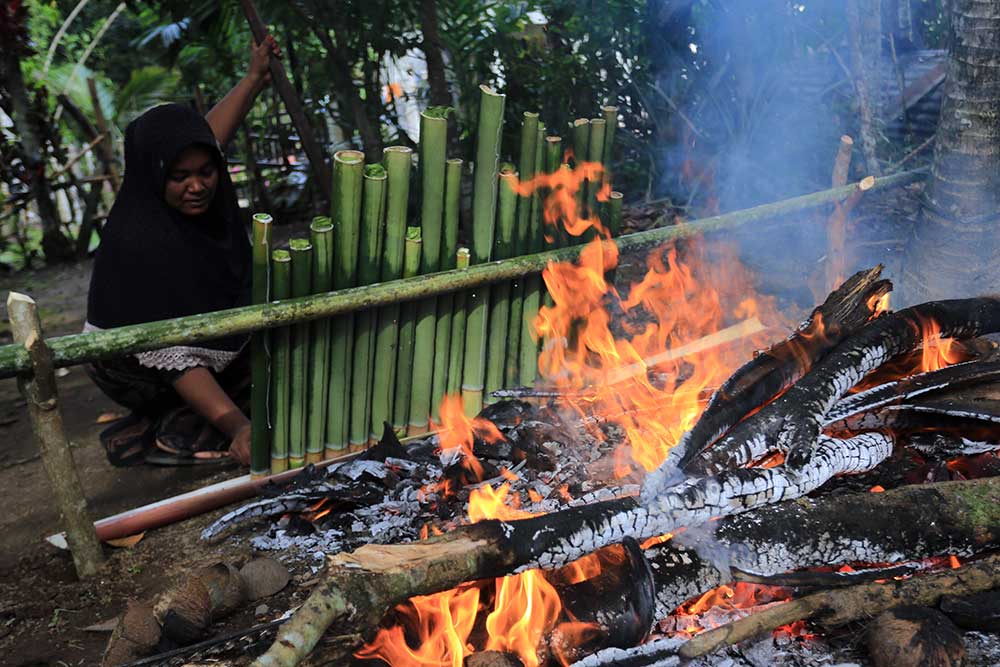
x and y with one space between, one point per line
55 245
432 53
953 248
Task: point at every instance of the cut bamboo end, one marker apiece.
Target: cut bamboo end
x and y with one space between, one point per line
472 401
349 156
866 183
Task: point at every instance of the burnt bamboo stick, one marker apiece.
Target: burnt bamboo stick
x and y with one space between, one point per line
317 162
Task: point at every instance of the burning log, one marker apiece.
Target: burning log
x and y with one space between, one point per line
928 520
361 586
792 423
840 606
829 608
844 312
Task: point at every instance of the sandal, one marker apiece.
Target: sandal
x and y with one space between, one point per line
181 435
128 441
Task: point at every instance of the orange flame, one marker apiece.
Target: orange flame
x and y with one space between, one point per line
937 351
459 432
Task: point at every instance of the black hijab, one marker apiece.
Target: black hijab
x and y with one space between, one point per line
154 262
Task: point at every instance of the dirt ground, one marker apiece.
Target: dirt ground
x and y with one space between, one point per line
43 608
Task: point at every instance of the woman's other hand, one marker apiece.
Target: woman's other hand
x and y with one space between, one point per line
259 70
239 448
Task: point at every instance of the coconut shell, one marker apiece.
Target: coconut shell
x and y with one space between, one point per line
264 577
915 637
226 588
135 636
980 611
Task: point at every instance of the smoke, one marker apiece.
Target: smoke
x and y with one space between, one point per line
763 94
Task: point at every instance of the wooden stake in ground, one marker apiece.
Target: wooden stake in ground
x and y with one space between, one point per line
39 390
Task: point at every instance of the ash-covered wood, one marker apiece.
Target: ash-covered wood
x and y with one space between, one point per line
758 381
793 422
927 520
980 611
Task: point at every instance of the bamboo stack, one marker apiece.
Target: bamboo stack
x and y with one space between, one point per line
331 385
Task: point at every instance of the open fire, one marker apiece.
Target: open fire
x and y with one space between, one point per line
637 364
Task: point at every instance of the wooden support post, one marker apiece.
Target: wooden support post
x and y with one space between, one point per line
314 152
39 390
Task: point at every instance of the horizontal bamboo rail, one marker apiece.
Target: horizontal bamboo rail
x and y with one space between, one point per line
92 346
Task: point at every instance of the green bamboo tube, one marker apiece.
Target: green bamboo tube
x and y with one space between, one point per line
615 213
321 235
522 244
457 353
407 323
533 286
281 341
446 303
369 267
301 251
260 429
581 140
433 140
596 154
484 209
536 233
610 114
398 161
499 324
345 211
554 236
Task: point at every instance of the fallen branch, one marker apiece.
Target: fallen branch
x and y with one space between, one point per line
837 607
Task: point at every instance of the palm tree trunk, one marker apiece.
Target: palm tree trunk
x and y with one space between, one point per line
953 250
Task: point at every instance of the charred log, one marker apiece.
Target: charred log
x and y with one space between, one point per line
793 422
915 637
845 311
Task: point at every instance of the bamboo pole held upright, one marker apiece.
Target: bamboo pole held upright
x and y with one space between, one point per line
610 115
484 208
40 393
301 251
447 303
499 323
321 234
260 432
522 245
398 161
407 321
281 343
433 146
369 266
345 212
